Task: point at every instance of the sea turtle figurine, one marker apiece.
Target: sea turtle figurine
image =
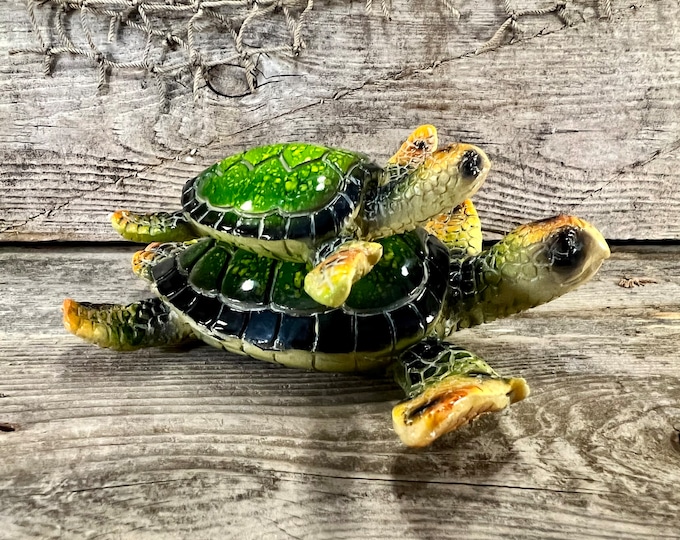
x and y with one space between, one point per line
323 206
425 287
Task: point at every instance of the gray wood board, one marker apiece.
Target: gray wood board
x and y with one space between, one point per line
580 119
196 442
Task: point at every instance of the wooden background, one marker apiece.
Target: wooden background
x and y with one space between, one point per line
581 119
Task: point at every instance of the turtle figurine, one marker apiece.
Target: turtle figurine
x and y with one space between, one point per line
429 283
318 205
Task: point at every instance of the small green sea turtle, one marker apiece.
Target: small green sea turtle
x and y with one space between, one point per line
323 206
426 286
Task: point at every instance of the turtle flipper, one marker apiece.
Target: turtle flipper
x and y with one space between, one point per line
330 281
460 229
154 227
148 323
145 259
419 145
446 387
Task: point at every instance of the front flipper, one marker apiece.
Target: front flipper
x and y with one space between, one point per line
154 227
330 282
460 229
446 387
421 143
148 323
419 146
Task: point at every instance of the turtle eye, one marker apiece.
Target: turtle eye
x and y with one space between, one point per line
420 144
470 164
566 248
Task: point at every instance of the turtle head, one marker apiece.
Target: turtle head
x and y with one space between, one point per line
412 195
532 265
551 257
456 171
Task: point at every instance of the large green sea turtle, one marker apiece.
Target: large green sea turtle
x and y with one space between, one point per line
319 205
426 286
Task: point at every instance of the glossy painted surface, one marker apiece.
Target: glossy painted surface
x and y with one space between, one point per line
291 177
283 191
231 293
286 178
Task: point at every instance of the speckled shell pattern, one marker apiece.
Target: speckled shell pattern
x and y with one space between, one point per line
258 306
291 191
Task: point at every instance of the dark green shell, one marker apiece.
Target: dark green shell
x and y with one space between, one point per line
230 293
280 192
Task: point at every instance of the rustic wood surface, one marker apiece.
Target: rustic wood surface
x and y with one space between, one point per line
198 443
582 118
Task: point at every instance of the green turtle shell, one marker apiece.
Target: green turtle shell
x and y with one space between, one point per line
256 305
291 191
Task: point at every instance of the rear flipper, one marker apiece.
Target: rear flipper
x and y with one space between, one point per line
154 227
148 323
447 387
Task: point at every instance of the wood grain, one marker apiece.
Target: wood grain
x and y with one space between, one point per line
195 442
580 119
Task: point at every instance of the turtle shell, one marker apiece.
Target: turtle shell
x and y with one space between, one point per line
291 191
257 306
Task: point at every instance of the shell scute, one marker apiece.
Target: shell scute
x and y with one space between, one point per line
342 160
409 325
288 292
205 310
297 333
274 227
335 332
375 333
258 155
262 328
221 187
398 274
206 274
288 178
230 322
247 278
296 154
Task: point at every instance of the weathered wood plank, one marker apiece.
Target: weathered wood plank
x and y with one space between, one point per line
166 443
582 119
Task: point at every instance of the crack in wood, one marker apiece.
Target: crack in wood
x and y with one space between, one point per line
409 72
626 169
47 212
276 117
123 485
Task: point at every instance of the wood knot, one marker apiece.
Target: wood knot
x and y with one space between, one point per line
675 438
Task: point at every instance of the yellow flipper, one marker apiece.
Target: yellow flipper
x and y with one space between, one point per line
446 387
460 229
330 282
419 145
449 404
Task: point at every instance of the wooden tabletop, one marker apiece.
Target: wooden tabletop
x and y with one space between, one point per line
197 442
